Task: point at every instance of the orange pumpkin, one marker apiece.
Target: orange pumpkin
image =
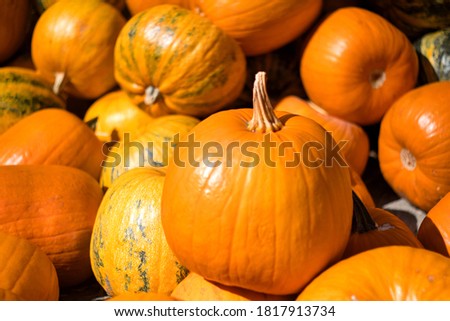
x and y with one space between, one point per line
171 60
352 138
53 207
14 24
414 145
434 231
375 227
73 46
114 115
42 5
387 273
26 273
261 26
52 136
259 218
195 288
356 64
360 188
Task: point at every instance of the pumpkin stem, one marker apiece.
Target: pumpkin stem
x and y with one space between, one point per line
151 95
362 221
408 160
264 118
377 78
60 79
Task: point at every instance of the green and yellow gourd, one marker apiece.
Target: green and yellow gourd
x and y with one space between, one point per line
22 92
148 147
129 252
435 47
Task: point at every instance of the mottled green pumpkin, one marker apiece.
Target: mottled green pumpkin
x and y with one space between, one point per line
172 60
22 92
435 47
129 252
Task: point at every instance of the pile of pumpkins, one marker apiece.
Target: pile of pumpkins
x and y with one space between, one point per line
214 150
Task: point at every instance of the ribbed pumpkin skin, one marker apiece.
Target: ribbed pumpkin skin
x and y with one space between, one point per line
76 39
26 273
116 115
23 92
261 26
195 68
54 137
156 141
136 6
384 274
257 225
42 5
14 16
356 64
414 145
53 207
355 151
436 48
196 288
129 252
434 231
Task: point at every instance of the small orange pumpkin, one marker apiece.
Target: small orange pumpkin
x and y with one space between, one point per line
73 46
434 231
414 145
356 64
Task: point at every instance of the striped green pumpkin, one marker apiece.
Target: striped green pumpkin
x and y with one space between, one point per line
435 47
172 60
23 92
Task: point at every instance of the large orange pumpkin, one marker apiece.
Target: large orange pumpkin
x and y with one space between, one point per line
26 273
261 26
351 137
73 46
434 231
136 6
53 207
14 22
356 64
414 145
261 218
129 252
55 137
171 60
387 273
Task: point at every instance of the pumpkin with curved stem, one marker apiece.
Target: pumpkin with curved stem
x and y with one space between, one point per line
116 115
434 231
356 64
386 273
414 145
244 215
356 148
171 60
26 273
55 137
23 92
261 26
151 146
14 17
374 227
129 252
73 47
195 288
54 208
